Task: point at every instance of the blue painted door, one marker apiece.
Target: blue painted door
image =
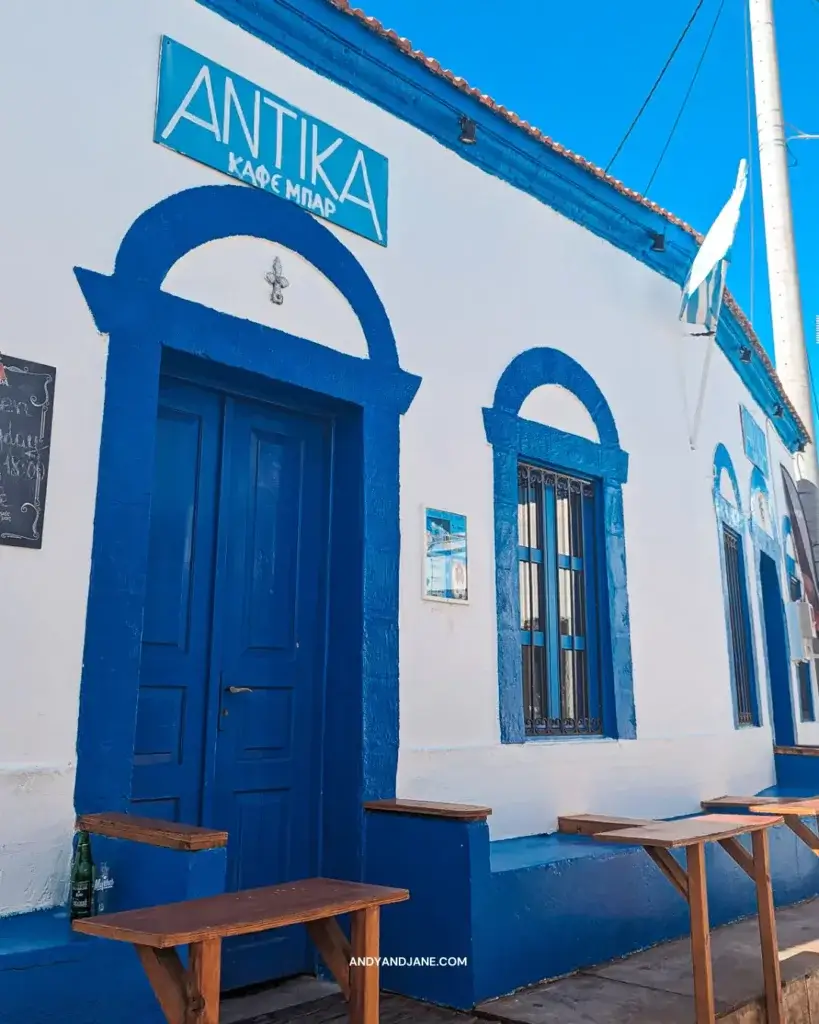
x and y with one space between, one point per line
233 644
169 748
270 608
776 650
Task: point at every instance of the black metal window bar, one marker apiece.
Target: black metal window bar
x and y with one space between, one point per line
558 604
740 633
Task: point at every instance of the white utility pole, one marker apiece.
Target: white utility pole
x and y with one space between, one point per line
786 300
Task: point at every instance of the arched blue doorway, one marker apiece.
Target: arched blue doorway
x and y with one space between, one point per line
208 418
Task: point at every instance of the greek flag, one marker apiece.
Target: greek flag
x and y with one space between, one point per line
704 287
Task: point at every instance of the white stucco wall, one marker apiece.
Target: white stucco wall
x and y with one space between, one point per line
68 197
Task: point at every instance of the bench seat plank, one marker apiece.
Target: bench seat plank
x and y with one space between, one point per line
685 832
803 805
593 824
151 832
241 913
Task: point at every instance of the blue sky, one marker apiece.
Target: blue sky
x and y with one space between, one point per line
581 71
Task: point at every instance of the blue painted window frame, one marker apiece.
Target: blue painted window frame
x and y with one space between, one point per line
146 325
731 515
514 438
804 670
545 553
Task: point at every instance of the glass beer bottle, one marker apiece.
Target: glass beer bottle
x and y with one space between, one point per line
82 879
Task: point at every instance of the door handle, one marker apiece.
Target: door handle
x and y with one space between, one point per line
240 689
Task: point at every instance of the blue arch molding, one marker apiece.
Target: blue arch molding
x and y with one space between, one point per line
733 516
315 33
141 320
767 542
513 437
787 531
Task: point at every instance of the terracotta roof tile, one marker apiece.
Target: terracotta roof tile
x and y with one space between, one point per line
436 68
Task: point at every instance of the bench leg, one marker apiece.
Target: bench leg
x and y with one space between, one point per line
767 928
335 950
364 977
167 977
186 996
204 975
700 935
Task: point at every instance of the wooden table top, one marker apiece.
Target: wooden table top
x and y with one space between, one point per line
768 804
239 913
704 828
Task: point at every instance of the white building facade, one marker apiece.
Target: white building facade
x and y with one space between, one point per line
307 295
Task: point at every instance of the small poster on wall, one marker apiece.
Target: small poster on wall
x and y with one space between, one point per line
445 566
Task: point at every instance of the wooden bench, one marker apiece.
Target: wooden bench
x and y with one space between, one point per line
691 835
191 995
792 810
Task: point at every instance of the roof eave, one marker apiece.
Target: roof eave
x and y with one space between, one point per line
343 44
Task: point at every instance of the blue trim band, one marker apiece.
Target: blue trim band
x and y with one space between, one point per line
513 438
315 34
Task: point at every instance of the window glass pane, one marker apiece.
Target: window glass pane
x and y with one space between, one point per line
569 703
523 513
530 508
576 504
530 591
567 691
738 617
582 709
805 692
566 586
563 517
579 581
526 652
534 681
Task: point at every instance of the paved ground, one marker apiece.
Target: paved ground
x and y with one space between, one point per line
307 1001
654 987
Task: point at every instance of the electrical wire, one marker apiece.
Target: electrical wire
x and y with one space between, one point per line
687 96
749 103
654 87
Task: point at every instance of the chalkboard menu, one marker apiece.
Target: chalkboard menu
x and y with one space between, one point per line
26 407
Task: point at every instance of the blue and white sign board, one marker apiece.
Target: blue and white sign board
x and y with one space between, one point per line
445 567
754 441
224 121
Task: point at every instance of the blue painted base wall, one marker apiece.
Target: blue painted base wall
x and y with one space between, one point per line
797 771
50 975
519 910
527 909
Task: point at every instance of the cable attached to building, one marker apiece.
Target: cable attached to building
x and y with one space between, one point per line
749 105
686 98
654 87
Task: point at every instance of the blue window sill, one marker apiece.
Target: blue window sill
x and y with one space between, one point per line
571 739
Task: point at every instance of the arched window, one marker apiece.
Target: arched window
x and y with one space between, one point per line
564 647
731 524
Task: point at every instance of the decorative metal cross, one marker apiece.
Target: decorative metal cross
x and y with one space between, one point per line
277 282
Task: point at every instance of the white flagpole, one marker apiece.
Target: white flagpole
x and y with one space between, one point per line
709 352
783 278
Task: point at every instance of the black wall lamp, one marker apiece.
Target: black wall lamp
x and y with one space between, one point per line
468 131
779 411
657 242
745 354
